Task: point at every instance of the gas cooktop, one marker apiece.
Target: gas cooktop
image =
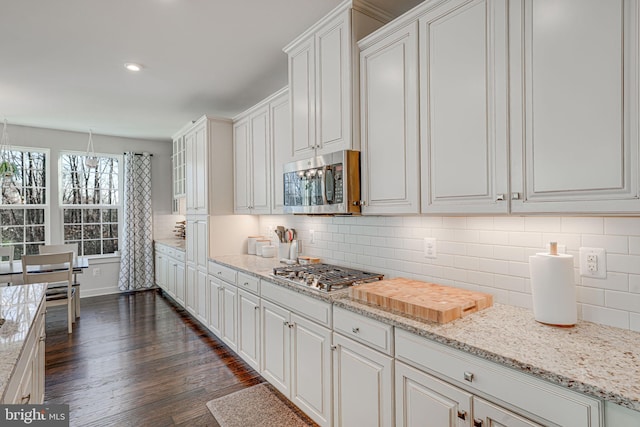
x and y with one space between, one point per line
325 277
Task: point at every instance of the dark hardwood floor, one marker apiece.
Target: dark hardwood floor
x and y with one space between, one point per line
138 360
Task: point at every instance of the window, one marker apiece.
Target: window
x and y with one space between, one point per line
23 204
91 202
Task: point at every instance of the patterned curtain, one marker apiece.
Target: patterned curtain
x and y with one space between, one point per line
136 263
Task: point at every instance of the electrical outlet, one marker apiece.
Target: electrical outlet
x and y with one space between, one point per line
593 263
430 250
97 271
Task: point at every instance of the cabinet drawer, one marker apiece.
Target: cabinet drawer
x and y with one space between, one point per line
303 305
360 328
161 249
248 283
221 272
179 255
510 388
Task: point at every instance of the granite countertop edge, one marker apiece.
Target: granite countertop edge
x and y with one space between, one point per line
447 333
11 351
178 244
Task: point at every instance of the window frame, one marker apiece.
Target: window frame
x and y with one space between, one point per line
119 207
46 207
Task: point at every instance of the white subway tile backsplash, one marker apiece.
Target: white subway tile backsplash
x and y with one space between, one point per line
623 263
507 223
526 239
634 245
542 224
622 301
634 322
622 226
487 253
613 281
612 244
590 295
582 225
605 316
634 283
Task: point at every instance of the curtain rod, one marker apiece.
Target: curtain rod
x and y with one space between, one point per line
141 154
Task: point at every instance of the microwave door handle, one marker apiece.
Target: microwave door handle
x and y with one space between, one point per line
328 187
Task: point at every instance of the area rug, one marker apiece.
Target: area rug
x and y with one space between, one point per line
254 406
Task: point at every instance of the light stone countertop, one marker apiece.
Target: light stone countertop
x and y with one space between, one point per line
600 361
18 306
172 243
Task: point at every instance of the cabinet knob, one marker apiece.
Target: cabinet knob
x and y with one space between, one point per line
333 347
462 415
285 323
499 197
468 376
257 307
246 283
477 423
26 399
291 325
515 196
355 330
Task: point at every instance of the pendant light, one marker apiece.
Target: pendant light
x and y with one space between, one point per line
10 193
7 169
90 161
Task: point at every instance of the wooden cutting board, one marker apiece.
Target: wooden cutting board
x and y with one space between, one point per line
422 300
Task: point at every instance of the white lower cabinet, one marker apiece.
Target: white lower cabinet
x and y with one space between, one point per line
524 400
201 297
249 328
362 385
190 289
296 359
170 271
223 311
180 282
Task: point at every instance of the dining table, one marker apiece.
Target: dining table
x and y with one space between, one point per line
14 268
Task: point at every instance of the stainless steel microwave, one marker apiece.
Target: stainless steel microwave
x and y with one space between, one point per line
323 185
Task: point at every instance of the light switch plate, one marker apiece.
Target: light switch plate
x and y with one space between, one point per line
593 263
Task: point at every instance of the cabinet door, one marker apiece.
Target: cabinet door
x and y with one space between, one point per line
242 167
201 151
171 277
389 112
311 369
486 414
261 162
202 243
276 347
180 282
229 313
190 289
302 96
215 297
362 385
425 401
190 172
202 298
191 239
280 115
574 118
249 328
158 260
333 85
463 107
39 359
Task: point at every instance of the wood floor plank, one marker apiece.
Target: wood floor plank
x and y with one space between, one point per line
138 360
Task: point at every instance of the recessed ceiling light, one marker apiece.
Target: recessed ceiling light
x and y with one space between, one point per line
132 67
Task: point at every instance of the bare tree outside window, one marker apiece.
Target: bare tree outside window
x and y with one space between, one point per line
91 200
22 202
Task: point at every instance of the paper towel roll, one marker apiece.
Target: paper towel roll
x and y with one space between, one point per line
553 289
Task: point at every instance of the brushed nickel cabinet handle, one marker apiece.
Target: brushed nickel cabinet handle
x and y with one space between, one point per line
462 415
477 423
468 376
355 330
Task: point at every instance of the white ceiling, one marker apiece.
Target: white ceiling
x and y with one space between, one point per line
61 62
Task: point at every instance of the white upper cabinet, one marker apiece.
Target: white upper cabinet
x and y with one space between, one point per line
178 166
323 82
252 161
574 106
280 115
463 107
261 146
390 158
208 166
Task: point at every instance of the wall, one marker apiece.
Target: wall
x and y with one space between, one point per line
488 254
106 268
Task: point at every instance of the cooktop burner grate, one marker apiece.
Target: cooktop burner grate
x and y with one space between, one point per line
325 277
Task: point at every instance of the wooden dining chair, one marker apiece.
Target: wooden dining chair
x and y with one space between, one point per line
53 269
6 252
69 247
